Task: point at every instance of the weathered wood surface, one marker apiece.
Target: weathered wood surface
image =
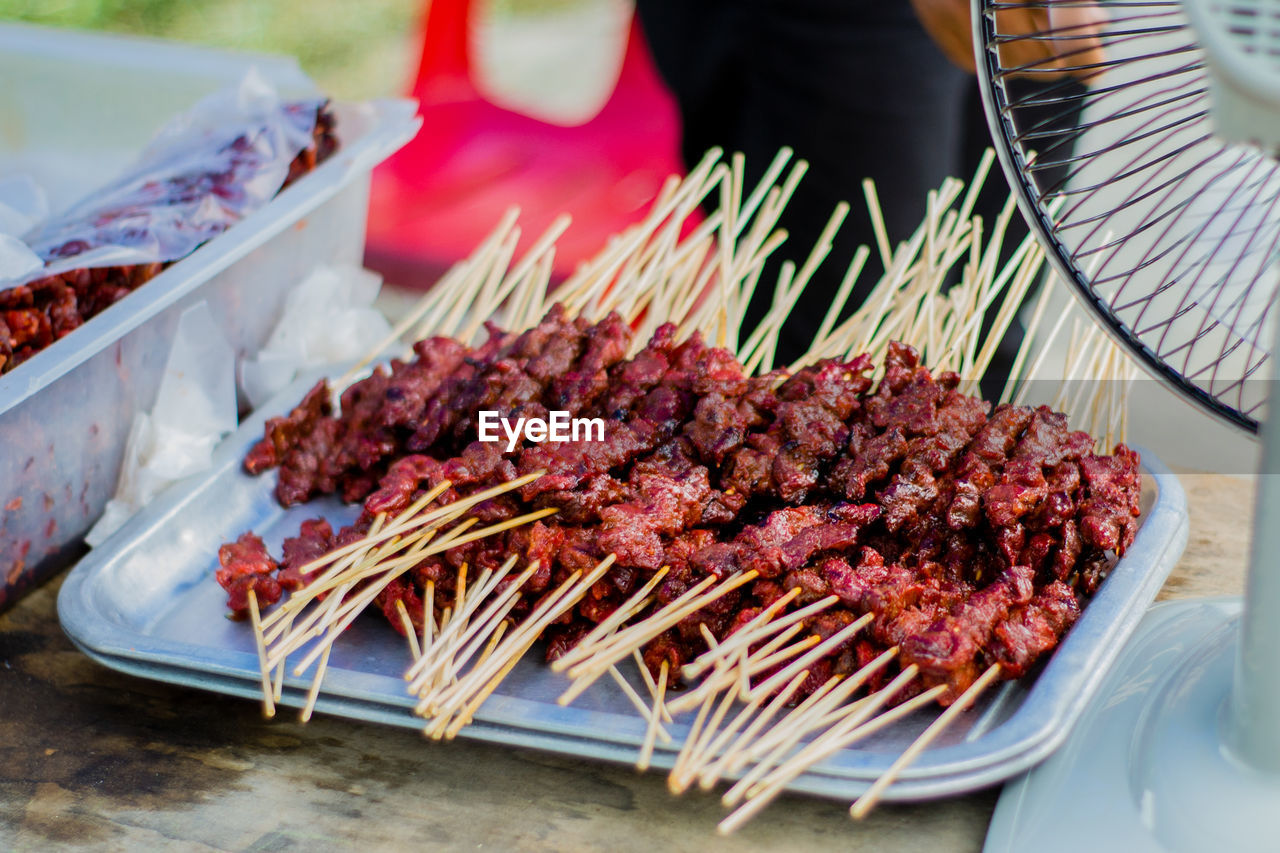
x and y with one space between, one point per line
91 758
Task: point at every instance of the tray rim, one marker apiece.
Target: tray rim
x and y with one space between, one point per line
1034 730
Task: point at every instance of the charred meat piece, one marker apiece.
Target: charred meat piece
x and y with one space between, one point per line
245 565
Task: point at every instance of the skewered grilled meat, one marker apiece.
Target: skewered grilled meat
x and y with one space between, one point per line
972 536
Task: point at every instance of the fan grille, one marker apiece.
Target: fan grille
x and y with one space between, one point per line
1168 234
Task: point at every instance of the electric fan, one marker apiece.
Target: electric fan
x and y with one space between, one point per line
1158 123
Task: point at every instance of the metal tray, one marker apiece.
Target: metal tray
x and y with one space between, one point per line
65 414
146 603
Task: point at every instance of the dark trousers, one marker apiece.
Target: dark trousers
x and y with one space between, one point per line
856 87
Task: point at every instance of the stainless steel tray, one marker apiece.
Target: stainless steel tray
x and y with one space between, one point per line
146 603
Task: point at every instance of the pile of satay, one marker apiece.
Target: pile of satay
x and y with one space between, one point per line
799 555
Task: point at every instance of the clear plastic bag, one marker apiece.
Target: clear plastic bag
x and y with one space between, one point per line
22 205
208 168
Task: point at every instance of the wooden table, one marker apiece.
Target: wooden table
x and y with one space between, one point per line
92 758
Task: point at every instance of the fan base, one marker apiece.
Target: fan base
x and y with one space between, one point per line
1144 769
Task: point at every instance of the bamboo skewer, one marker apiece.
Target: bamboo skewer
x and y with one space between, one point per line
817 652
491 624
877 222
761 189
311 626
609 624
817 751
472 689
747 744
428 617
313 693
634 698
781 738
761 787
453 282
735 670
458 637
268 694
690 741
386 571
410 633
494 639
753 744
338 611
651 733
759 627
679 605
868 800
459 641
1028 344
565 595
692 756
711 774
413 517
701 748
620 645
335 584
649 683
788 732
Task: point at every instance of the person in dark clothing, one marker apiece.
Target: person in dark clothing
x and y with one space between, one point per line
859 88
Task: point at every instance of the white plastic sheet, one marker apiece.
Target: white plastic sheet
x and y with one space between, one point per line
194 409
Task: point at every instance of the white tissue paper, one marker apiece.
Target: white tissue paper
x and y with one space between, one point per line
328 319
194 409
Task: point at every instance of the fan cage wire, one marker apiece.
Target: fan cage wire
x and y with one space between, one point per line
1164 157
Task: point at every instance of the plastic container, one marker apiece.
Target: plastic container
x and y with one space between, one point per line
76 108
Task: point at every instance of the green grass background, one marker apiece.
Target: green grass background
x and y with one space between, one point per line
352 48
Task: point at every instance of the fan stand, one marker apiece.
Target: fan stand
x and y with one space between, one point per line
1180 751
1144 769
